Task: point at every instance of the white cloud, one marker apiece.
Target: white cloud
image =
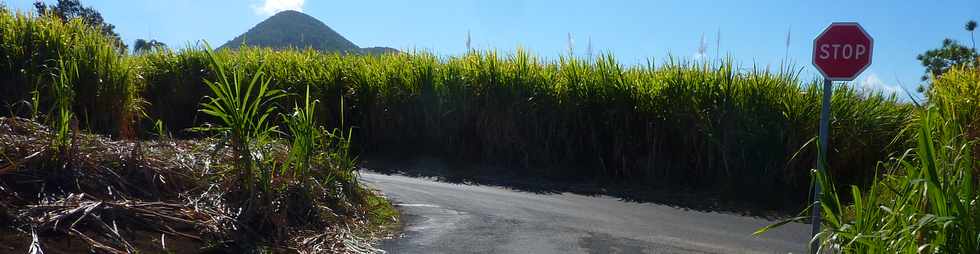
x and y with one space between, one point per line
872 82
271 7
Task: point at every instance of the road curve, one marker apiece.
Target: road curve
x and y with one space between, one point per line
441 217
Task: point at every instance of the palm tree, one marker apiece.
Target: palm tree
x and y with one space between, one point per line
140 46
143 46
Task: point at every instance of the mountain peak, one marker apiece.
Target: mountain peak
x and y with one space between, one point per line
294 29
292 13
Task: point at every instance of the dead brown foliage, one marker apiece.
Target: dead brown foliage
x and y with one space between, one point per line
110 196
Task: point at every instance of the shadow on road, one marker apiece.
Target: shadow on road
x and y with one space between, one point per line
469 174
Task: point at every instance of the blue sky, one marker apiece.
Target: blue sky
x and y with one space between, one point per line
753 32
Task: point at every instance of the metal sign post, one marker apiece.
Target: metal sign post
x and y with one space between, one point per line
828 89
841 52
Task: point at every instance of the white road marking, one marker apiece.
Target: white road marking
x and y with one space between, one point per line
418 205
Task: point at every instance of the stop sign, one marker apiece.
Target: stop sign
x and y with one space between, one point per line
842 51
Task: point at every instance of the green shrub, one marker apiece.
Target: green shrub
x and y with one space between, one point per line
243 104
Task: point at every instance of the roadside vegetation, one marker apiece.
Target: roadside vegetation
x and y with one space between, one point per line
246 183
256 149
669 125
926 199
661 125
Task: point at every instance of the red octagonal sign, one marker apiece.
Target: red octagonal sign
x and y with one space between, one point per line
842 51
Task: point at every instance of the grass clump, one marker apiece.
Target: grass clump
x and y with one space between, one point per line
305 135
245 118
279 193
62 109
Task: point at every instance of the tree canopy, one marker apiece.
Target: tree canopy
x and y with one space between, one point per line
142 46
952 53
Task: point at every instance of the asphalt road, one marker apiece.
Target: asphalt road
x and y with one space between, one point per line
441 217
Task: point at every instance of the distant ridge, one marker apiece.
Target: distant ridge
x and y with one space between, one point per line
378 50
293 29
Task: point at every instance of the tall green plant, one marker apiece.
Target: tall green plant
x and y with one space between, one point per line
305 134
928 206
106 88
62 90
243 104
